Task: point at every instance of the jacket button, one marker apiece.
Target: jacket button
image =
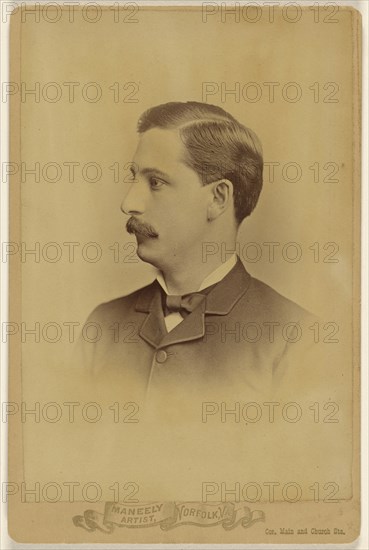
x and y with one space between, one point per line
161 356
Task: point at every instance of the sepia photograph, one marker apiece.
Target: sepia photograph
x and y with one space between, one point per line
184 256
197 174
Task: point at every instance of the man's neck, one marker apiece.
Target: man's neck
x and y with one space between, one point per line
190 278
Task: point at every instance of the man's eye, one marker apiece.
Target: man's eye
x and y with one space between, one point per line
155 183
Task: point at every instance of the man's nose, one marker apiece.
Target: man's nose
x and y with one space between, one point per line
134 201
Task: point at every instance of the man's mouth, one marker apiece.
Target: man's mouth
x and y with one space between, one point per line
141 228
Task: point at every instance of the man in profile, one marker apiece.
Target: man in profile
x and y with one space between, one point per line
201 325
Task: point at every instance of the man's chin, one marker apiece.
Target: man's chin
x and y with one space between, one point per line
146 251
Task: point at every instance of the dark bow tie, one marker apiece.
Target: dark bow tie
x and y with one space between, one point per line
183 304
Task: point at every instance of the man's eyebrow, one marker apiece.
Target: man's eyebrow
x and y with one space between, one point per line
149 170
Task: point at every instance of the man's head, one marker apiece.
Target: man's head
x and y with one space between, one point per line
197 172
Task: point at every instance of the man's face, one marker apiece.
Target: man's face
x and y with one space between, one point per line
166 201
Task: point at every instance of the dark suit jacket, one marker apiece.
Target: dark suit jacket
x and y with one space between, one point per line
237 341
222 357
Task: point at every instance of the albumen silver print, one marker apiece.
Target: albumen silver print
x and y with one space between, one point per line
184 255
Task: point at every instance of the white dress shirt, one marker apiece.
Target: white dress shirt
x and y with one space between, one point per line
173 319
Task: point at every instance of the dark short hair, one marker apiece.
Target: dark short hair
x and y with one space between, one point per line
218 146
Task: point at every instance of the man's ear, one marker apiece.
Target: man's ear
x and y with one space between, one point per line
221 198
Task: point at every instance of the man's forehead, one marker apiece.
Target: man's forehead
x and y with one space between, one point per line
161 148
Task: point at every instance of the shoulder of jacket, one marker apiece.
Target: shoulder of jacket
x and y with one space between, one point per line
265 297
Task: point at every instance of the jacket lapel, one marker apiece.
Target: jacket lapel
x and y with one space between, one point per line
223 297
219 301
149 301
